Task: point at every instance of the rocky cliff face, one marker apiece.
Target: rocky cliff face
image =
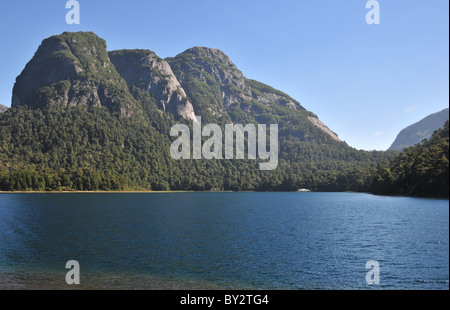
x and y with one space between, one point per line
215 85
221 93
217 65
73 69
316 122
145 70
76 69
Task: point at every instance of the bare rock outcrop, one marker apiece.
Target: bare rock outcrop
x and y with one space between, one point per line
73 69
316 122
145 70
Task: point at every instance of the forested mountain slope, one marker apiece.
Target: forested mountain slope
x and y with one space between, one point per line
83 118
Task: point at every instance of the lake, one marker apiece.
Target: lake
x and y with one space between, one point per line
287 241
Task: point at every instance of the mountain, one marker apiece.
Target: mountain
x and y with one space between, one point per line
420 170
218 88
83 118
145 70
423 129
220 93
3 108
73 69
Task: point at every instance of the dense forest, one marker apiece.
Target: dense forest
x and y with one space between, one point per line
86 119
420 170
89 148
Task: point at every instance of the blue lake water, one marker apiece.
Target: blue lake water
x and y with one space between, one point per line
285 241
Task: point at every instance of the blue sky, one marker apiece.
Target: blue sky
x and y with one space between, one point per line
366 82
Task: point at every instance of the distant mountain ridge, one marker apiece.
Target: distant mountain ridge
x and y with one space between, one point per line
3 108
423 129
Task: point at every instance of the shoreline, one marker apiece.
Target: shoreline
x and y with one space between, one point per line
188 191
93 192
